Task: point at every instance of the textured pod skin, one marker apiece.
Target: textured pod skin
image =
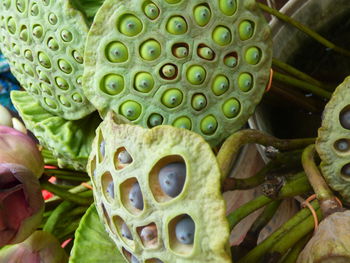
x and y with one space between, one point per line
186 50
44 44
330 133
330 243
201 198
69 141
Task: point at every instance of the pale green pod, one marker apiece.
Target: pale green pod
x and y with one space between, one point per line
160 212
48 38
193 47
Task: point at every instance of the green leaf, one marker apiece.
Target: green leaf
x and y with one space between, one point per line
92 243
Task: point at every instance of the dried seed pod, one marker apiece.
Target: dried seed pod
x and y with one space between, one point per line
176 220
218 49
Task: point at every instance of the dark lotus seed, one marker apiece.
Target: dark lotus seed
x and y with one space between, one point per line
184 230
155 119
135 196
342 145
126 232
124 157
172 178
346 170
110 189
134 259
344 118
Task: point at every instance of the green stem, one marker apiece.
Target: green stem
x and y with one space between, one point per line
69 229
295 187
65 194
301 85
299 74
295 251
67 175
259 251
228 151
305 29
324 194
54 218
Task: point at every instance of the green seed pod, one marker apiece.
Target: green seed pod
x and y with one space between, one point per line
131 110
197 49
333 141
154 234
130 25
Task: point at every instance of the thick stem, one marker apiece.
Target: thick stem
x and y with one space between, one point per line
54 218
323 193
300 84
305 29
295 187
258 252
232 145
67 175
295 251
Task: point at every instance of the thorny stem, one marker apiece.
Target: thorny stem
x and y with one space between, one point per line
301 85
232 145
305 29
323 193
296 249
303 217
295 187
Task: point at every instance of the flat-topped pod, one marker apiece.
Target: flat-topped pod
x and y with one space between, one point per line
166 201
44 44
199 65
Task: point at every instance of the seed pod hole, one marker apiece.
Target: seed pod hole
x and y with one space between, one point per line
253 55
66 35
64 101
116 52
151 10
222 35
78 58
127 254
45 89
246 82
131 196
148 235
345 171
34 10
76 97
180 50
101 147
183 122
202 14
209 125
51 103
21 5
196 74
176 25
52 44
23 33
28 55
106 216
52 19
172 98
228 7
61 83
154 260
173 1
205 52
44 60
342 145
129 25
43 77
112 84
344 117
93 172
181 231
134 259
199 102
108 187
38 31
122 158
231 60
65 66
246 29
130 109
167 178
154 119
220 85
150 50
11 25
168 71
123 231
231 108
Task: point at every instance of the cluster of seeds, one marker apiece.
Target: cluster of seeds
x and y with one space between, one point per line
200 65
333 144
44 43
159 199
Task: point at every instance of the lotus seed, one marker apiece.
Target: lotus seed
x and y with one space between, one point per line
176 25
124 157
185 230
117 52
222 35
202 15
180 52
150 50
20 4
23 35
342 145
46 2
172 98
6 3
130 25
228 7
149 235
62 83
169 71
134 259
52 44
183 122
64 66
344 118
253 55
154 120
77 97
28 69
220 85
246 29
172 178
173 1
79 80
28 55
51 103
34 11
131 110
16 49
151 11
43 77
11 25
196 75
112 84
64 101
125 231
78 58
44 60
38 31
345 171
245 82
135 196
144 82
110 189
45 89
52 19
199 102
66 35
231 108
206 53
208 125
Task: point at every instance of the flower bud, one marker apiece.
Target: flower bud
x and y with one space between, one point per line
21 203
39 247
17 147
331 242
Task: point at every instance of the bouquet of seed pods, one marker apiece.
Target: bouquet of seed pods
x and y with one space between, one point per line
138 109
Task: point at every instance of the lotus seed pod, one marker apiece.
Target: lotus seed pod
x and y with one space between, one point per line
175 223
331 241
46 41
333 141
69 141
175 50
